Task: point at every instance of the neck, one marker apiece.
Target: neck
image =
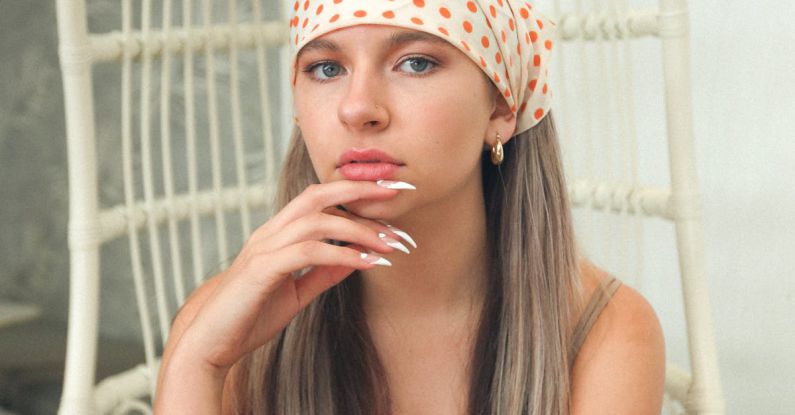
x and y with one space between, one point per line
445 276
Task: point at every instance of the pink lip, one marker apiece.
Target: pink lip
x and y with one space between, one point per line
368 171
367 164
366 155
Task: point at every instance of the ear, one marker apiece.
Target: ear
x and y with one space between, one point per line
502 120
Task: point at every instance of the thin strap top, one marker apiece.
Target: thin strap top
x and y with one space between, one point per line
597 303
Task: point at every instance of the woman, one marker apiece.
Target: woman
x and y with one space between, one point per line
402 111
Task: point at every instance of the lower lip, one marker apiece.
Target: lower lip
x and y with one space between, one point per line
368 171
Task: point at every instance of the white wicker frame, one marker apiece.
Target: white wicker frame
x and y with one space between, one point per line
90 225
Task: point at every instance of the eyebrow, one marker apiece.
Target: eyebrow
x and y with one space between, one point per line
397 39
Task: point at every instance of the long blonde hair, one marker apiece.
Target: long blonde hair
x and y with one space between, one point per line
324 361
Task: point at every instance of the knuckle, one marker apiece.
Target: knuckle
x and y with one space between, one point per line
352 253
251 243
365 231
315 223
315 192
353 256
261 230
307 249
316 218
256 260
256 243
309 193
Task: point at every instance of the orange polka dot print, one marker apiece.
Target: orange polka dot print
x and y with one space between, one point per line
508 39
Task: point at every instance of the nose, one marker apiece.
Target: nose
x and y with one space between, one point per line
362 108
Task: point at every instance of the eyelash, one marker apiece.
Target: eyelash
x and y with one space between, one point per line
309 69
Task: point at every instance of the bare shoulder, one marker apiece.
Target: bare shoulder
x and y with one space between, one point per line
620 368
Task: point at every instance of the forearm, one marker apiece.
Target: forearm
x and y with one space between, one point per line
189 388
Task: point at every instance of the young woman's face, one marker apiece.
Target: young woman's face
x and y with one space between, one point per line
406 93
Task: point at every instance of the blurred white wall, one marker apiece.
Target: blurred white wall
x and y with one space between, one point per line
744 97
743 58
743 67
743 79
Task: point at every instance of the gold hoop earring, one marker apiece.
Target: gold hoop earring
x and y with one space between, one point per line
496 152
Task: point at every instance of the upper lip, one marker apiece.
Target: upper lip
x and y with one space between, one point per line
364 155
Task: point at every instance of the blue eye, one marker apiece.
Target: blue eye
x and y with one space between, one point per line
325 71
328 69
418 64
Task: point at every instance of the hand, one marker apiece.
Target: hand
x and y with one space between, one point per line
257 296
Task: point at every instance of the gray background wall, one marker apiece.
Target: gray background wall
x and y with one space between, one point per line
32 157
33 175
743 61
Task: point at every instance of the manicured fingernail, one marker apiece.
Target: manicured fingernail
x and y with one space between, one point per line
375 259
393 242
389 184
403 235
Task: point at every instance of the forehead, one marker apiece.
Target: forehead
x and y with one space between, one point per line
389 37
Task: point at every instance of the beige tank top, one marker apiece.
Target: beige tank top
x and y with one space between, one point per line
597 303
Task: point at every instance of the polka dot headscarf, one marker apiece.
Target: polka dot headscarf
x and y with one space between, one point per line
508 39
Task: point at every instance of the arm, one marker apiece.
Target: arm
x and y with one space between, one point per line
184 317
204 386
244 307
620 368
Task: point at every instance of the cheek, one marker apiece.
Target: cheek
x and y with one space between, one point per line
311 125
448 159
456 106
453 127
321 156
453 158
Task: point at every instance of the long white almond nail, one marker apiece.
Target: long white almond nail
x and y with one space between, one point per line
389 184
402 234
393 243
374 259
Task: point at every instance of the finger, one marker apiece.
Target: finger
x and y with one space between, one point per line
323 226
370 223
290 298
322 278
268 270
318 280
317 197
380 226
265 282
